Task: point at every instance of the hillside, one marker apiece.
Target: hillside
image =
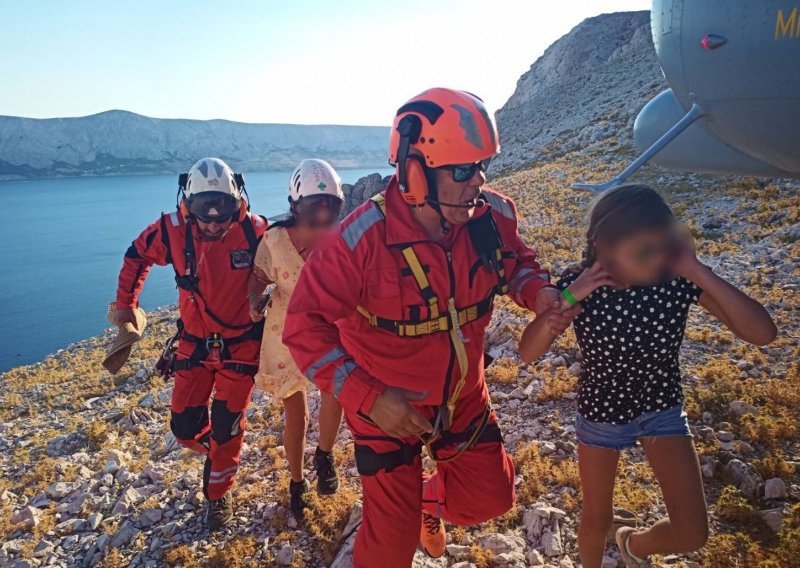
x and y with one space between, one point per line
583 94
124 143
90 474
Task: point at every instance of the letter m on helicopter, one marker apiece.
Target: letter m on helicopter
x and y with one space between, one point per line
787 26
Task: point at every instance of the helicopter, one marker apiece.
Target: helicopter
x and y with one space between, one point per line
733 106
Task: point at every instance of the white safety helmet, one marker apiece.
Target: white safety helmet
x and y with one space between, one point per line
314 177
212 189
212 174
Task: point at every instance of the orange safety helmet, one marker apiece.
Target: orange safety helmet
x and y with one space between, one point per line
443 127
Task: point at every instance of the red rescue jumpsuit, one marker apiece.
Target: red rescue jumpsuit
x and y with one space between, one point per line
337 347
222 268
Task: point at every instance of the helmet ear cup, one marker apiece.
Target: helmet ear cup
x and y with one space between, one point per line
416 182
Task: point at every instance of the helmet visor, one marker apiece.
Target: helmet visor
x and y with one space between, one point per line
213 206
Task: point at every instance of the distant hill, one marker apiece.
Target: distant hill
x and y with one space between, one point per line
586 89
123 143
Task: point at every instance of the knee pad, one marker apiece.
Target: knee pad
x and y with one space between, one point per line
188 424
225 425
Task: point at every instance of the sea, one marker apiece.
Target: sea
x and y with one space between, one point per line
61 249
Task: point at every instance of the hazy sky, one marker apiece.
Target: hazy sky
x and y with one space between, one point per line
303 61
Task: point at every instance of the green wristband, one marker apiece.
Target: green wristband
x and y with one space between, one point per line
569 297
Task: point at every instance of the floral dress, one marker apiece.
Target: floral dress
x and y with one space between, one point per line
280 261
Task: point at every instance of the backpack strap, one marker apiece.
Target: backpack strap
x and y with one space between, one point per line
250 235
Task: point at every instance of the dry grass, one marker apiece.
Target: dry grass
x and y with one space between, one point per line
542 472
327 517
181 556
480 557
504 371
557 383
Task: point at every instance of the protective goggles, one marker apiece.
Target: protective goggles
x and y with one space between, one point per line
213 207
465 172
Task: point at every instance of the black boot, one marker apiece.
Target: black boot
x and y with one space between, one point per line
297 498
327 480
219 512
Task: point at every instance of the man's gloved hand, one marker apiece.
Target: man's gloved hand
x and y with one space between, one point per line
393 413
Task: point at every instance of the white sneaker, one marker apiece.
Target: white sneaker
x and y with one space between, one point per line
622 537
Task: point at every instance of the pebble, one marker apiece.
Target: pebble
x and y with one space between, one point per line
93 520
775 488
285 555
111 467
458 551
124 535
608 562
535 558
773 519
743 476
59 490
27 516
724 436
739 408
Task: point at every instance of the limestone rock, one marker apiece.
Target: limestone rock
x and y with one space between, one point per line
499 543
27 516
458 551
739 408
285 555
743 476
775 488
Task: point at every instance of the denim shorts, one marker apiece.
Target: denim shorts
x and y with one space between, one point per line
669 422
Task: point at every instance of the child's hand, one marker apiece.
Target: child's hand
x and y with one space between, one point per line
590 280
685 262
559 319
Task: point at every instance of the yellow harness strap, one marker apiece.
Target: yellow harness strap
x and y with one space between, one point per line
451 322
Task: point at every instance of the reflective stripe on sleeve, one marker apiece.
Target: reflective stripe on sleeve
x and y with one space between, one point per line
329 357
355 230
340 375
500 204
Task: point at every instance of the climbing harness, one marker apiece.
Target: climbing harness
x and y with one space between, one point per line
486 239
211 351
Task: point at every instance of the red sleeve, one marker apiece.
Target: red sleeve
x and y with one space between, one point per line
527 277
328 290
148 249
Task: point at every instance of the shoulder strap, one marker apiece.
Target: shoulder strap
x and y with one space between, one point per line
380 201
165 237
488 243
413 264
250 234
422 280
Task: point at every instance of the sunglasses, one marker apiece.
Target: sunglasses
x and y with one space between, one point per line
218 219
465 172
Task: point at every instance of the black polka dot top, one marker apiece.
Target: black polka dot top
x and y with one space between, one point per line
630 341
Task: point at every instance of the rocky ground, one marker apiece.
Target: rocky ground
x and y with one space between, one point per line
91 476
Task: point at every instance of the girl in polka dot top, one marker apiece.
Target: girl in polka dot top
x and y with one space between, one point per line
638 279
